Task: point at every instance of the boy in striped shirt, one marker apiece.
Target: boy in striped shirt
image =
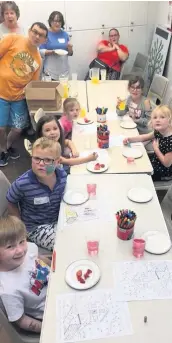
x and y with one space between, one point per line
36 195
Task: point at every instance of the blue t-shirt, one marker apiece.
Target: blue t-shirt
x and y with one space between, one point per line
56 40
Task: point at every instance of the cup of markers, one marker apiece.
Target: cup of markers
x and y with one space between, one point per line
125 224
101 114
103 136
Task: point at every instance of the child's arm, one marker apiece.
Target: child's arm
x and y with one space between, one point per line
78 160
166 159
29 324
140 138
72 147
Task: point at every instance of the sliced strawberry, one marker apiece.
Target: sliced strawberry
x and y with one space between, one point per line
86 120
81 280
102 165
89 271
86 275
79 273
97 166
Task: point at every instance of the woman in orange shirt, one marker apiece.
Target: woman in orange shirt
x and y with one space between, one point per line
113 54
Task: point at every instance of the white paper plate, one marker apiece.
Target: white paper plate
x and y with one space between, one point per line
128 124
71 279
132 152
61 52
82 122
156 242
75 197
140 195
91 165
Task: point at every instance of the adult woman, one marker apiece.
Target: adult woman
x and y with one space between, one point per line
55 64
10 14
112 54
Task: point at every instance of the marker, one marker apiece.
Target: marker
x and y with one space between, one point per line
54 261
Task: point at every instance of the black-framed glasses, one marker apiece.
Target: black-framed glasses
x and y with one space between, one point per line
135 88
46 160
56 21
115 35
36 33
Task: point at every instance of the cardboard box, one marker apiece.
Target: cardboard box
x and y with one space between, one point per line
44 94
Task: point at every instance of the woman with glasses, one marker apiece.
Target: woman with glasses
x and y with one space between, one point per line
136 105
113 54
10 14
55 62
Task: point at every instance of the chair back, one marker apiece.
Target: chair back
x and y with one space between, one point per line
166 206
4 185
158 88
140 63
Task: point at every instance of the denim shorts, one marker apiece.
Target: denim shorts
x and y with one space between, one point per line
14 114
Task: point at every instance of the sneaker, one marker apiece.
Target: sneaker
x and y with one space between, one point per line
4 159
13 153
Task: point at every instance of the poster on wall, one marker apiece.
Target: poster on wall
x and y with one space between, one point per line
158 53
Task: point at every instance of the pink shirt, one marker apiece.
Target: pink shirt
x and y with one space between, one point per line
66 125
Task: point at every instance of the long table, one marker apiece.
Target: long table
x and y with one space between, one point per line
105 93
70 245
117 162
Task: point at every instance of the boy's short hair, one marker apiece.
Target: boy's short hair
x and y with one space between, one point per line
11 230
134 79
69 103
45 143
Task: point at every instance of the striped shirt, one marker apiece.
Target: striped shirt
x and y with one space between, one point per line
38 204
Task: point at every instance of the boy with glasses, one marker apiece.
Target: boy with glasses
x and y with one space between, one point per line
20 63
36 195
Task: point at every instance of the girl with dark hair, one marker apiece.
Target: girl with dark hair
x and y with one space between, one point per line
57 48
137 106
49 127
10 14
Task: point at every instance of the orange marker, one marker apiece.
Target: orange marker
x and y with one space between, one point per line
54 261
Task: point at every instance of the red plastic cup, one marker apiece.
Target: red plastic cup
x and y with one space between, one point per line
125 234
91 189
138 247
93 247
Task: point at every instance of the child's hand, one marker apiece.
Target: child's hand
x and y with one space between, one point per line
92 157
155 144
126 141
75 153
118 102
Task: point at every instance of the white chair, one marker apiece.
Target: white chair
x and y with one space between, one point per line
158 89
138 68
166 206
4 185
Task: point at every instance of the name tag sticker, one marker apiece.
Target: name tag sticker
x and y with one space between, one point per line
42 200
61 40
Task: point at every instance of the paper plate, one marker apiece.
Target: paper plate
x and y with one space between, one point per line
91 167
140 195
128 124
156 242
131 152
82 122
75 197
83 265
61 52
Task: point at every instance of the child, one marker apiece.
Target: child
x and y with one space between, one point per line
36 195
71 109
23 276
137 105
49 127
161 121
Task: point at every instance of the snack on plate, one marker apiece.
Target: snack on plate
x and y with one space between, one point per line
87 120
98 166
82 278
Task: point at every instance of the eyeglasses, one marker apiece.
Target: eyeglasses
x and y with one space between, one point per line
46 160
115 35
56 21
36 33
135 88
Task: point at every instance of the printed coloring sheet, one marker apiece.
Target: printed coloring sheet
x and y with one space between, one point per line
143 280
91 315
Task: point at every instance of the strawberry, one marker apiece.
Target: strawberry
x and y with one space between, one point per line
102 165
89 271
81 280
79 273
97 166
86 120
86 275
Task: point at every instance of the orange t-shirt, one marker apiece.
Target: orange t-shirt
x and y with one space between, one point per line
111 58
19 64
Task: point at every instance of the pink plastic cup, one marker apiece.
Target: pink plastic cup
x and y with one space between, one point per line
138 247
91 189
93 247
130 160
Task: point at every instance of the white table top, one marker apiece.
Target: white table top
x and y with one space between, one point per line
71 245
117 162
105 93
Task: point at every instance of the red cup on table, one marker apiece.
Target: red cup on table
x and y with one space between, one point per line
93 247
130 160
91 189
138 247
125 234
